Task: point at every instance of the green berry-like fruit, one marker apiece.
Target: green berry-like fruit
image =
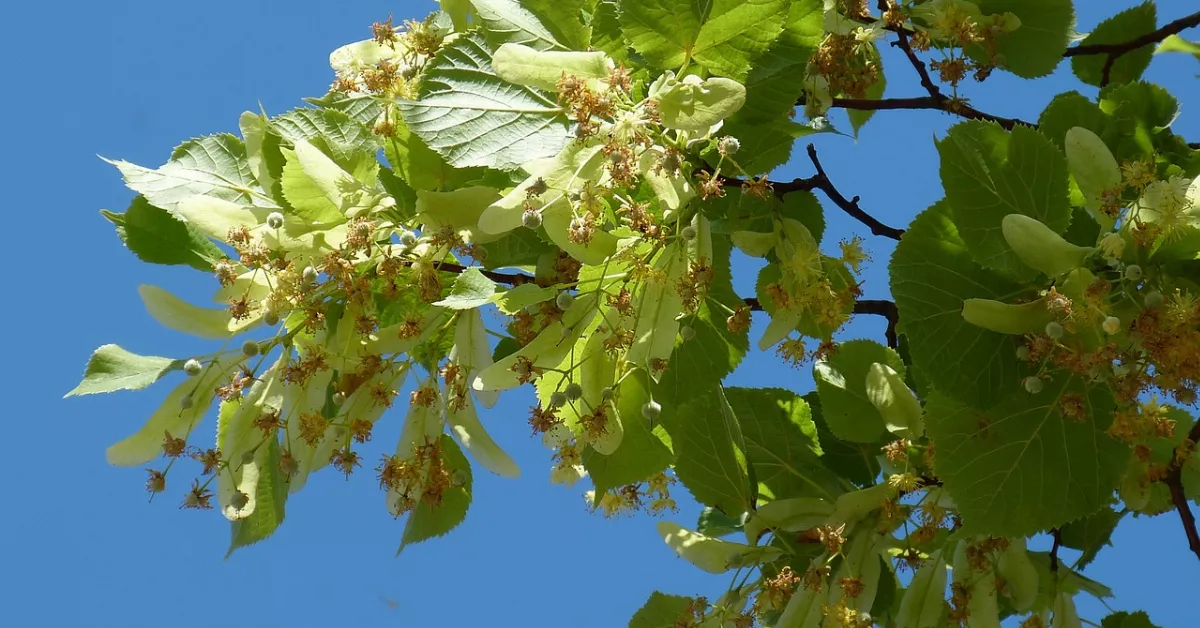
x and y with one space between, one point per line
250 348
193 367
574 391
606 394
1023 353
1033 385
1111 325
275 220
186 402
651 410
338 398
1153 299
408 238
1054 330
558 399
688 233
564 300
532 219
1133 272
687 332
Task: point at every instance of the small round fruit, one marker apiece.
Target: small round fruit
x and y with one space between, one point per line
564 300
558 399
458 478
606 394
1111 325
1054 330
193 367
1153 299
728 145
1023 353
574 391
408 238
687 332
532 219
250 348
1033 385
651 410
186 402
275 220
270 318
338 398
310 274
1133 272
688 233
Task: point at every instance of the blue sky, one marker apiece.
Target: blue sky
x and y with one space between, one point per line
79 544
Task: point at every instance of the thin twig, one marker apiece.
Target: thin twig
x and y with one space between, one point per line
1174 481
1054 549
820 181
1121 48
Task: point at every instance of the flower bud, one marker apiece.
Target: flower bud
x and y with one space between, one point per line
651 410
564 300
532 219
558 399
1054 330
574 391
1032 385
186 402
1153 299
1133 272
275 220
728 145
688 233
250 348
1111 325
408 238
1023 353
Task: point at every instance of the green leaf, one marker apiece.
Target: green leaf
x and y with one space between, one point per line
214 165
606 32
318 190
781 443
1175 43
769 145
346 141
856 462
721 35
710 456
1122 27
714 523
420 166
1143 110
506 21
157 237
932 272
1035 48
519 248
473 118
663 611
564 20
1123 619
113 368
989 173
1091 534
427 521
471 289
644 450
1022 466
842 384
520 297
271 495
776 79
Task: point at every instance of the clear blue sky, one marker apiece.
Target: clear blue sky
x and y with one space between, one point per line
80 545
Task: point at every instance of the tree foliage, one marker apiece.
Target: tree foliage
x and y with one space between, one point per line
572 177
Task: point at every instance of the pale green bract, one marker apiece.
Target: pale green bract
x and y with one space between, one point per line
549 193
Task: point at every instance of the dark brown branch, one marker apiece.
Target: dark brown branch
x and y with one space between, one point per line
1057 534
1118 49
1174 481
821 181
941 102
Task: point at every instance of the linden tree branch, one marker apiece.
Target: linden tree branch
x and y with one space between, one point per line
1174 481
